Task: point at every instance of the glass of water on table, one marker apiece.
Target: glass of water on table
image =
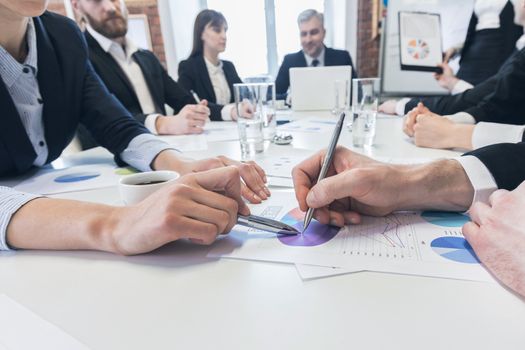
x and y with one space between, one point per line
365 101
255 105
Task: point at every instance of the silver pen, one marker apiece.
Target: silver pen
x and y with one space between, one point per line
326 164
265 224
195 96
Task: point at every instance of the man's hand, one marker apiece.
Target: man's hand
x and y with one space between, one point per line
388 107
253 186
197 206
434 131
190 120
448 54
411 118
446 79
357 184
497 234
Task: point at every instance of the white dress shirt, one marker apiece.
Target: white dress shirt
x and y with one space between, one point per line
487 12
310 59
220 88
22 85
132 70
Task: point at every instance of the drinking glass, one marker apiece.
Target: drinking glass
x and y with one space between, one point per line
365 101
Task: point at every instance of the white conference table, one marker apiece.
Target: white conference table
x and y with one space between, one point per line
176 298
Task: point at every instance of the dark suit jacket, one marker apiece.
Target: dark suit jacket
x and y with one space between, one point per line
72 94
163 89
506 103
505 161
193 75
451 104
332 57
511 31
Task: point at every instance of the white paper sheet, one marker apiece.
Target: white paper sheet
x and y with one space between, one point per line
221 131
21 329
307 272
309 125
427 244
78 178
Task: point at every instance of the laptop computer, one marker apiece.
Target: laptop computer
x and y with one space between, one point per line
312 88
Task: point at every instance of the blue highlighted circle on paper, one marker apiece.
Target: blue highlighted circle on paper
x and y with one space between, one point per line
76 177
455 248
445 219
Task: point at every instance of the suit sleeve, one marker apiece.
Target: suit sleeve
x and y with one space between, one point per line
175 95
451 104
505 161
505 103
105 118
185 77
282 82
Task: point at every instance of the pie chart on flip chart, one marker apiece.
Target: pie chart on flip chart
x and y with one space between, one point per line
445 219
315 235
76 177
454 248
418 49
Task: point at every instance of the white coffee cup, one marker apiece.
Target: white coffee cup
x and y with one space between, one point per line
136 187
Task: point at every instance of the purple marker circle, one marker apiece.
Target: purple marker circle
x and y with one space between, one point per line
315 234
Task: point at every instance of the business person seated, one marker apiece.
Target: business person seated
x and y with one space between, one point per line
204 72
499 117
313 54
47 88
464 94
135 76
359 185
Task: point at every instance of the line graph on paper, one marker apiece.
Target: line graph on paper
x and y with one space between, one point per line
390 237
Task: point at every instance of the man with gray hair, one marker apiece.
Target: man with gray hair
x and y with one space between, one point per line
313 54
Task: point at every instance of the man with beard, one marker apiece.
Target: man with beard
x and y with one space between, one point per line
135 76
313 54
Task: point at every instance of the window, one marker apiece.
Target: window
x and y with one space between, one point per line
249 47
286 13
246 45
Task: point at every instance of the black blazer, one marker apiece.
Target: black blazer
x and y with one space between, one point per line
332 57
505 104
193 75
163 89
505 161
72 94
511 31
451 104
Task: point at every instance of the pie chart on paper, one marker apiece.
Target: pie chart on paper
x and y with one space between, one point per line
454 248
418 49
445 219
315 235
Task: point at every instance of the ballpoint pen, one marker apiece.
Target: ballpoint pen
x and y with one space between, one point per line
265 224
326 164
195 96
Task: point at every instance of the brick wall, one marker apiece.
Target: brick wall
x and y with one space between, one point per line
150 9
367 47
147 7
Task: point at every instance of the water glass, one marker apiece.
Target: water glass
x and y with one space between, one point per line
250 103
342 96
365 101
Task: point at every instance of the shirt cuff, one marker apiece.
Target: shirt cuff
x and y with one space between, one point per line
461 118
480 178
150 123
491 133
226 111
10 202
142 149
461 86
400 106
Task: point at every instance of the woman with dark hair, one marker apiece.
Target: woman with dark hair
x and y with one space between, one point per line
203 72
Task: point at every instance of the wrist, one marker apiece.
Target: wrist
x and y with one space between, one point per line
462 136
170 159
161 125
105 231
451 82
440 185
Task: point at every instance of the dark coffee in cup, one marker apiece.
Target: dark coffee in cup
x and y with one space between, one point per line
150 183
